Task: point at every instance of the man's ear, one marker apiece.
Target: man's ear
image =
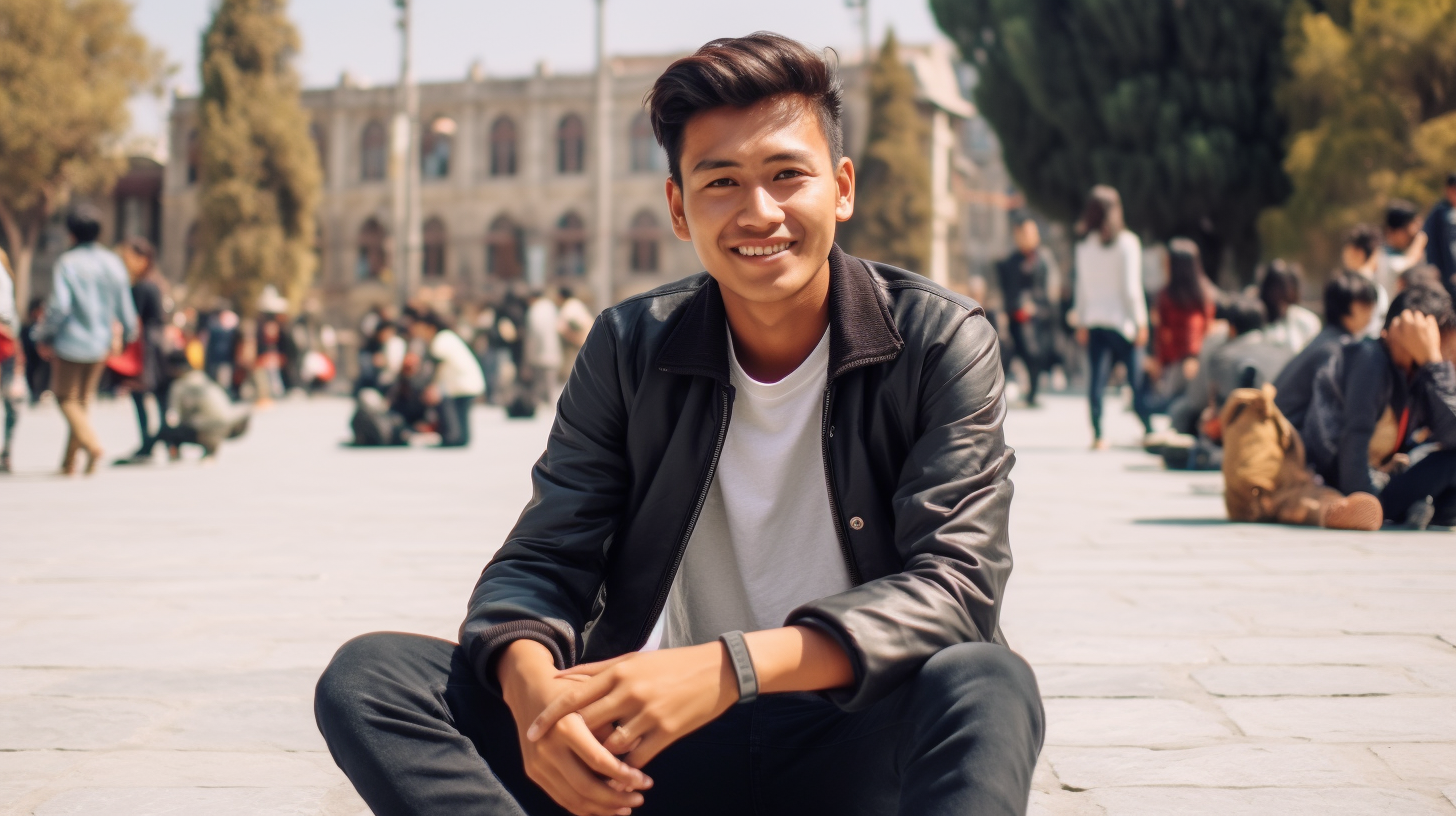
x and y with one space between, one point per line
844 180
675 209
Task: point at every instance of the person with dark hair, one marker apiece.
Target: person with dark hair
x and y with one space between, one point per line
1182 314
1357 254
1383 417
1404 246
1419 275
1287 323
139 257
1440 230
457 381
1349 302
90 296
798 445
1110 307
1030 283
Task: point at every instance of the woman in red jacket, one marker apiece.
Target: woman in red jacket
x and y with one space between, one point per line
1182 315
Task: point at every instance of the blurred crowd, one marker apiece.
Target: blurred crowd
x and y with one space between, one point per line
1346 421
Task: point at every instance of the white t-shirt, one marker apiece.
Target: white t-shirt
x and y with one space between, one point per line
457 372
765 541
1109 293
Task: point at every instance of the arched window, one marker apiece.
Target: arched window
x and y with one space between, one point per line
316 132
570 246
435 239
371 259
505 249
647 157
644 237
373 151
435 147
503 147
570 145
194 157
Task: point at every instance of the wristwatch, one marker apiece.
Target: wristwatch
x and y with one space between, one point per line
742 665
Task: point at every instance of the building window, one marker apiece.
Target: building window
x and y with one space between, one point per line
435 147
644 238
316 132
503 147
570 246
570 145
373 151
371 263
505 249
435 239
647 156
194 157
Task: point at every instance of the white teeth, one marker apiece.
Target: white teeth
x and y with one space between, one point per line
768 250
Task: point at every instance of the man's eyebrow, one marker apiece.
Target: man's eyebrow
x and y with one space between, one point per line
787 155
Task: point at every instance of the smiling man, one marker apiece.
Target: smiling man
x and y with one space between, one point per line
798 445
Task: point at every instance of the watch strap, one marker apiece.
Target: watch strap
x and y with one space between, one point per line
742 665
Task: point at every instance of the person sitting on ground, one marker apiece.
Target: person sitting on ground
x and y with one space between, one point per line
1245 360
457 381
1357 254
199 412
684 487
1349 302
1383 418
1286 323
1183 313
1404 246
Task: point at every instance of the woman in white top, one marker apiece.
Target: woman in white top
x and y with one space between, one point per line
1289 325
1110 308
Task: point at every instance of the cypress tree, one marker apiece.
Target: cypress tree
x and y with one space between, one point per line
259 171
1169 101
892 215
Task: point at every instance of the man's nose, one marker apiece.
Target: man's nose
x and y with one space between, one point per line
760 210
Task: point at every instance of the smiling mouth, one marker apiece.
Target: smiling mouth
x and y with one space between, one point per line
765 250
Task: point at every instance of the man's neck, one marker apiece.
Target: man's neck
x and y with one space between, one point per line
770 340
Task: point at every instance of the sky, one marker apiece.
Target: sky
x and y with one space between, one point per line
508 37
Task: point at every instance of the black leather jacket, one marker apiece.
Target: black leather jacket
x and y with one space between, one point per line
916 466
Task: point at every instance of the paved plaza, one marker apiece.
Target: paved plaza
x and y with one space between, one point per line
161 628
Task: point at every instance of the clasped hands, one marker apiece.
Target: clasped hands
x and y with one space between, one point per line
586 732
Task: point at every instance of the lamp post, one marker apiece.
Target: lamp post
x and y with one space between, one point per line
601 271
864 26
404 163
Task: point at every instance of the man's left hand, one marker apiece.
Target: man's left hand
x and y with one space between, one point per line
640 703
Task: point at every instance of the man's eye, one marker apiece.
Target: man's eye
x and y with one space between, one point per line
787 174
722 182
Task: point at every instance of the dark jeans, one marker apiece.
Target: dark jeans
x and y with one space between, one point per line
412 728
1032 340
1106 347
12 413
139 400
455 421
1433 476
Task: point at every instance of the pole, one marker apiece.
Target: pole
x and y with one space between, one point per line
601 273
404 164
864 30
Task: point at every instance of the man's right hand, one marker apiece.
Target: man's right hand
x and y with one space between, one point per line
568 762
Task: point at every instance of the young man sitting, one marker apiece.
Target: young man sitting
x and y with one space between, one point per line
1383 418
796 444
1349 302
199 412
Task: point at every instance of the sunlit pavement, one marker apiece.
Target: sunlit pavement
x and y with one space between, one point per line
161 628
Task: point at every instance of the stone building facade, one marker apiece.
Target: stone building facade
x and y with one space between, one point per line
507 183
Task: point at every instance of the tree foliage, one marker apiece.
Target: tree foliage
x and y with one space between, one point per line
1169 101
258 168
1371 104
67 68
892 203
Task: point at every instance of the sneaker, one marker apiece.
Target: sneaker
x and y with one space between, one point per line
1099 444
1357 511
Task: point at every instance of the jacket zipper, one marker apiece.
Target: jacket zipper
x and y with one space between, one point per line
844 550
682 546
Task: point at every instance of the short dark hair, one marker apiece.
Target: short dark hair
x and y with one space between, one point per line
142 248
1421 275
429 317
1102 214
83 221
1362 237
739 72
1244 314
1451 179
1428 300
1280 287
1343 291
1399 213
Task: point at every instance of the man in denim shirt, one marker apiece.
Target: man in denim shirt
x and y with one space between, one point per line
90 295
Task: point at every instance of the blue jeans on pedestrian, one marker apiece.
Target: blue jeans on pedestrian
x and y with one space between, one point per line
1106 347
455 421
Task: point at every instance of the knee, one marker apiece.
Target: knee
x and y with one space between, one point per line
358 671
983 672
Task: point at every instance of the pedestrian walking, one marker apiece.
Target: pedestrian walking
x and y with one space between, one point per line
139 256
90 297
1440 229
1110 306
1030 283
12 389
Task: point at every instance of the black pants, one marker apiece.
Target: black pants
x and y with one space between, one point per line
1433 476
1032 340
1105 348
455 421
139 401
407 721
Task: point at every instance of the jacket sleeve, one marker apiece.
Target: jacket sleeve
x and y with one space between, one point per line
58 306
1437 384
951 506
126 313
542 583
1367 393
1132 279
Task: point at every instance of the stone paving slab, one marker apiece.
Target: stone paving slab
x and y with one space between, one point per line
161 628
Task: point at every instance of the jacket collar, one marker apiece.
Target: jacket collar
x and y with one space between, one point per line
862 332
